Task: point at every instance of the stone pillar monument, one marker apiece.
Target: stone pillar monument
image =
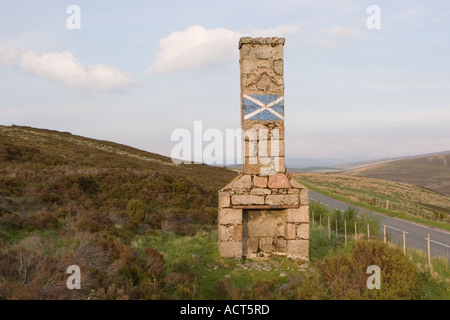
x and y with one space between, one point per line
263 211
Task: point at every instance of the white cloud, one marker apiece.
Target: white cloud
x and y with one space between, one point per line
345 33
64 68
197 47
194 47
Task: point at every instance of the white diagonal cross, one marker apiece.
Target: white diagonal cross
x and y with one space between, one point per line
263 107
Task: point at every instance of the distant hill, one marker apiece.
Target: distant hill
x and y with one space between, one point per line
430 171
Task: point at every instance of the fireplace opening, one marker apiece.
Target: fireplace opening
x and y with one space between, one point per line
264 233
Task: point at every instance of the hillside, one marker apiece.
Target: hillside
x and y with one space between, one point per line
430 171
393 198
83 201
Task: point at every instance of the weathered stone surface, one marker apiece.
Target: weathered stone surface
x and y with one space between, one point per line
263 130
266 52
281 199
251 246
246 199
298 249
278 181
281 230
230 233
280 244
266 244
224 200
278 67
236 232
259 182
291 231
230 216
251 150
230 249
229 186
262 229
249 65
260 192
298 215
294 191
304 196
245 182
296 184
303 231
279 164
269 40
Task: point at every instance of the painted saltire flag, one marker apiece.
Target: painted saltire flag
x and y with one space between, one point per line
263 107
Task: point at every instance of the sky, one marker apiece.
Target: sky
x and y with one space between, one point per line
359 84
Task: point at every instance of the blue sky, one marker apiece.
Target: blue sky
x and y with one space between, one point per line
138 70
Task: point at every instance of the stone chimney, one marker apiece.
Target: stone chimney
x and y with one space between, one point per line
263 211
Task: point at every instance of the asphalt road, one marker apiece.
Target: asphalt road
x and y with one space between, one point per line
416 234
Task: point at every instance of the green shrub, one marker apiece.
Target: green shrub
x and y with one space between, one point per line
343 274
137 210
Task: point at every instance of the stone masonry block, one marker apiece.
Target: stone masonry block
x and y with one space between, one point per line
298 249
304 196
291 231
298 215
266 244
282 199
303 231
266 148
224 200
260 192
236 232
224 233
280 244
261 130
230 249
246 199
259 182
230 216
245 182
278 181
262 229
296 184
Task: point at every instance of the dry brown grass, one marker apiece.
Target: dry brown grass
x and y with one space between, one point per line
387 196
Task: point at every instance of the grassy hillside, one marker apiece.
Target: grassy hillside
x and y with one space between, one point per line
140 227
66 199
393 198
431 172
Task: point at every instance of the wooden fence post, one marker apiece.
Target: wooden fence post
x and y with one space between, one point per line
329 228
384 233
368 232
429 252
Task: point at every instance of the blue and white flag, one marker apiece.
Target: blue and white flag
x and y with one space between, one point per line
263 107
